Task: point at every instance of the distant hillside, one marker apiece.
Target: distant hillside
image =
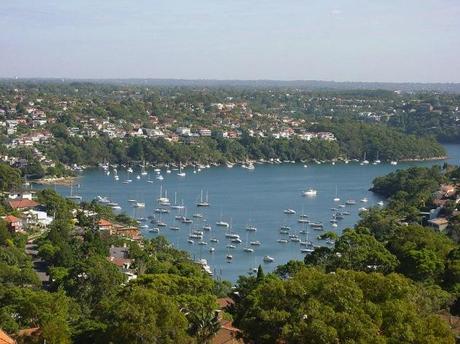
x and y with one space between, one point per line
304 84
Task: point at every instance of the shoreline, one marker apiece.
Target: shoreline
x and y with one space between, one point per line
445 157
260 161
65 181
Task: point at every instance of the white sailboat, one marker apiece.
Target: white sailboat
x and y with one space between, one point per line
203 202
72 196
365 161
180 173
247 248
336 198
163 199
143 171
176 205
222 223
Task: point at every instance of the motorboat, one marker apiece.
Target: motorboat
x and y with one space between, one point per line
251 228
289 211
268 259
310 192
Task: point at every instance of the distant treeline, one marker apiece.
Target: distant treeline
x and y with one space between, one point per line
354 140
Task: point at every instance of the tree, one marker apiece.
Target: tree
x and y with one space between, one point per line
359 250
203 325
10 178
421 252
348 306
145 316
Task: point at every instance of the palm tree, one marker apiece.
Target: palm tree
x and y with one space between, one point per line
204 325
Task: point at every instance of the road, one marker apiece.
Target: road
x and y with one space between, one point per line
39 265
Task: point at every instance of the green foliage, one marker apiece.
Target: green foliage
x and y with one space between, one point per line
23 308
421 252
355 250
146 316
417 182
314 307
93 279
10 178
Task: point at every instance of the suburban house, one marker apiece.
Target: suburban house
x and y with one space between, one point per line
14 223
439 223
22 204
119 255
105 225
112 229
227 334
38 218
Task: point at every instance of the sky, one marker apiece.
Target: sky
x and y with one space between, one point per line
340 40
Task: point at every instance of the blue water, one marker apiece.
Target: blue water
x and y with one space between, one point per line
244 197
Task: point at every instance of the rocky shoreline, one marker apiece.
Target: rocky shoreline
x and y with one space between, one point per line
65 181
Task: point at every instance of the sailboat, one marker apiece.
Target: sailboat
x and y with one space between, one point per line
149 180
175 205
203 202
251 228
143 171
365 161
163 199
336 198
247 248
181 174
128 180
221 223
72 196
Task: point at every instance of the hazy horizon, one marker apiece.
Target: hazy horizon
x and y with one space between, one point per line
335 40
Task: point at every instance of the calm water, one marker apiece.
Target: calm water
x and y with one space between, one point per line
244 197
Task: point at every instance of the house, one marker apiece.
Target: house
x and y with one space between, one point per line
14 223
227 334
105 225
183 131
119 255
448 190
439 223
37 218
126 232
204 132
154 133
20 195
22 204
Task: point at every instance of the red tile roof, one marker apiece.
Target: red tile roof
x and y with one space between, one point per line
227 334
22 203
120 262
11 219
224 302
104 223
5 339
